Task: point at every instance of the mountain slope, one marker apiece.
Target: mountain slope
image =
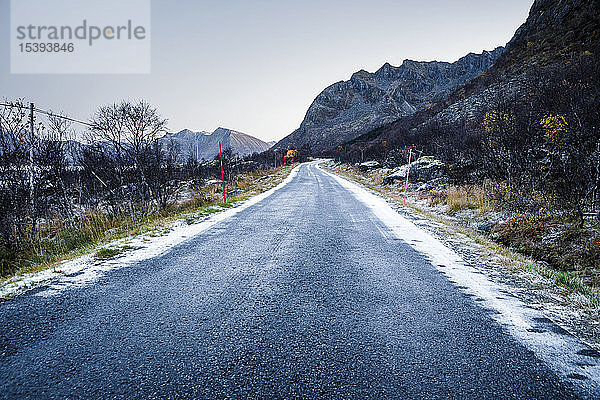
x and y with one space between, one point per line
556 32
204 145
350 108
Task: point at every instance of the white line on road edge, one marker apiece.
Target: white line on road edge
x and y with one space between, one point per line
84 270
567 356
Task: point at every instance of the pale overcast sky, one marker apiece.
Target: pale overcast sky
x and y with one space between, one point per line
255 66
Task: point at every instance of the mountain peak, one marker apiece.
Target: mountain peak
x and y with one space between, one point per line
385 67
385 70
361 74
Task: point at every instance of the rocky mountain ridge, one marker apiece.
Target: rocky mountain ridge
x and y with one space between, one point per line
347 109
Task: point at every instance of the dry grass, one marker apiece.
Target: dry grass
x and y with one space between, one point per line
469 197
377 177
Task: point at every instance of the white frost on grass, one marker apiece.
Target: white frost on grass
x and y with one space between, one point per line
571 359
86 269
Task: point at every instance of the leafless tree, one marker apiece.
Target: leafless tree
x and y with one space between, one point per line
126 137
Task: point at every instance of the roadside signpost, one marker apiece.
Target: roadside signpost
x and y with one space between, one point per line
407 172
222 173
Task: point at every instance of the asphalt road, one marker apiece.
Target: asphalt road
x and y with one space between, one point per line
302 295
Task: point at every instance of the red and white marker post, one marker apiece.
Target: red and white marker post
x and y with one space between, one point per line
407 172
222 174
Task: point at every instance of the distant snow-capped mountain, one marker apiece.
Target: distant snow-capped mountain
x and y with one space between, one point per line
204 145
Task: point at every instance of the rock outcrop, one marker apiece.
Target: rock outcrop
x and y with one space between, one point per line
369 165
424 169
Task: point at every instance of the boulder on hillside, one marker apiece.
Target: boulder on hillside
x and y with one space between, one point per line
369 165
424 169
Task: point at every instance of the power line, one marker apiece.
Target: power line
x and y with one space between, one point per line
51 114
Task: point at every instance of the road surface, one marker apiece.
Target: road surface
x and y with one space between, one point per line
302 295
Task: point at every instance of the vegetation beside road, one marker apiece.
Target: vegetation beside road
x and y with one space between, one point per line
62 193
56 241
555 247
518 165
